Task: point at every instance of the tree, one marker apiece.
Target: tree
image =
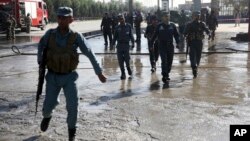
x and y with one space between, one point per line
76 7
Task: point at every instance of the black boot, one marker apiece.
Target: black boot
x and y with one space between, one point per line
123 76
153 67
153 70
72 134
195 72
45 124
129 71
165 78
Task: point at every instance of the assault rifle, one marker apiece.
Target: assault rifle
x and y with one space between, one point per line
42 69
187 50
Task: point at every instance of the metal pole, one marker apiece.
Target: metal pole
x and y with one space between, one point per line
130 6
197 5
249 21
158 4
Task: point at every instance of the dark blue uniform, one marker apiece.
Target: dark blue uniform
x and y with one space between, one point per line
194 32
165 34
114 23
106 28
123 34
138 20
152 46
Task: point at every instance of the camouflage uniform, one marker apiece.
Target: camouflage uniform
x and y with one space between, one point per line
8 28
28 23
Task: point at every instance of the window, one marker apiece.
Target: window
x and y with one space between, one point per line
40 5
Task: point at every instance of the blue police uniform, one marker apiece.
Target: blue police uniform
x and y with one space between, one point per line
195 34
57 81
152 46
106 27
165 34
123 34
138 20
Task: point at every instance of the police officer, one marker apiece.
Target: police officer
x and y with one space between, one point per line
212 23
62 60
138 20
13 26
194 33
152 47
10 27
149 18
182 23
123 35
114 22
106 28
166 31
28 22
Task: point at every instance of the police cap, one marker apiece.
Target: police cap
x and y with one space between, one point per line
196 13
165 13
65 11
120 16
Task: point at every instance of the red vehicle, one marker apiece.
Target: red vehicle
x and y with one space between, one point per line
20 8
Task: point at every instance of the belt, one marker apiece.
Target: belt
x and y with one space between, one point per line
123 42
59 73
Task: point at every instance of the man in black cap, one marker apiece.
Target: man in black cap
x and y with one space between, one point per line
60 46
165 32
138 21
194 32
152 46
212 23
10 25
106 26
123 35
28 22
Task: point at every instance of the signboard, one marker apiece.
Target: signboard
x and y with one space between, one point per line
165 5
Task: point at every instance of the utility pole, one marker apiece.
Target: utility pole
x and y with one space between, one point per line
130 6
197 5
158 5
249 21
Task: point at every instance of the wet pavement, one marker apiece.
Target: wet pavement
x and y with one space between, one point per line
140 108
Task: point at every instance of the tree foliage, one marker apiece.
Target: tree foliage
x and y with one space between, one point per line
87 8
237 3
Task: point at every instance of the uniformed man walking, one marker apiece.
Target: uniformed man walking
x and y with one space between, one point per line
114 23
152 46
106 26
165 32
182 23
138 20
28 22
212 23
123 35
62 60
10 25
194 33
